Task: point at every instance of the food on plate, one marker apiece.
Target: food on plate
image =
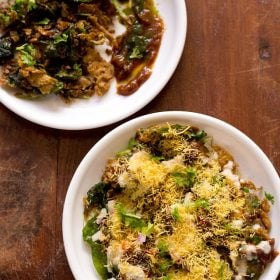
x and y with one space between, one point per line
64 47
172 205
136 51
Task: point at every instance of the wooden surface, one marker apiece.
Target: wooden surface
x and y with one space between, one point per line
230 69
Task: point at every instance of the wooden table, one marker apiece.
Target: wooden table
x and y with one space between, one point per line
230 69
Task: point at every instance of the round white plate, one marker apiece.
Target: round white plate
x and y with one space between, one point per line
253 163
100 111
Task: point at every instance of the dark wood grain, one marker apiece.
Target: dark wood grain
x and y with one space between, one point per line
229 69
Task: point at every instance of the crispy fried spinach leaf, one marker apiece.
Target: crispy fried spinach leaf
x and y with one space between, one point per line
5 48
96 196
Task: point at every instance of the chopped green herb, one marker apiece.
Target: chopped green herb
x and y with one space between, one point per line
158 158
269 197
130 219
119 9
28 53
70 74
136 53
178 127
58 87
31 5
44 21
132 143
162 247
148 230
23 6
122 153
245 189
255 202
175 214
192 134
185 178
202 203
232 229
256 239
164 265
200 135
138 5
62 38
5 20
137 45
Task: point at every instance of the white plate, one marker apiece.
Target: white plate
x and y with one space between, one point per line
253 163
101 111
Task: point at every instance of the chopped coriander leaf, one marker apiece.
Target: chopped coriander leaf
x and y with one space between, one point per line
232 229
31 5
132 143
62 38
185 178
148 230
58 87
27 59
27 48
137 46
28 53
119 9
138 5
256 239
175 214
269 197
158 158
130 219
70 74
23 6
245 189
164 265
122 153
162 247
136 53
200 135
202 203
178 127
44 21
255 202
5 20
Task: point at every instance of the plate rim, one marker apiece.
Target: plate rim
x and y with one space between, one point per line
73 186
182 9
